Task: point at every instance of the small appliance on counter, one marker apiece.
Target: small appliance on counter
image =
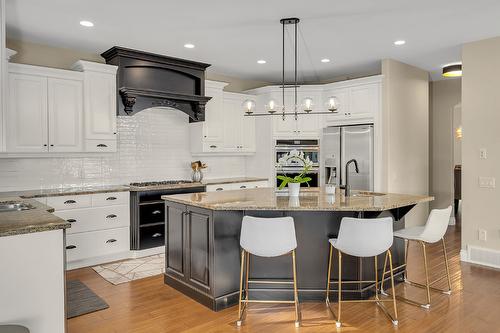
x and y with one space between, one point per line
147 210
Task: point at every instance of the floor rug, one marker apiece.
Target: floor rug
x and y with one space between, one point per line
81 300
132 269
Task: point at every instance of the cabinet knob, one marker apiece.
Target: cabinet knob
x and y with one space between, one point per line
70 247
243 186
71 220
52 145
45 145
69 202
109 241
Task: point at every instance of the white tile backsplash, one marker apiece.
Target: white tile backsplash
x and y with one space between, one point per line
152 145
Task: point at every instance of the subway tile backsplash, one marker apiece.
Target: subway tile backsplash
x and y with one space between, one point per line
152 145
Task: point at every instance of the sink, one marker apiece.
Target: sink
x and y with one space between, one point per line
12 206
367 194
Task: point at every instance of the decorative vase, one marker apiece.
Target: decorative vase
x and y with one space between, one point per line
197 176
293 189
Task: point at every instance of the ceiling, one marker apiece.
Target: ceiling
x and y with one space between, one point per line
233 34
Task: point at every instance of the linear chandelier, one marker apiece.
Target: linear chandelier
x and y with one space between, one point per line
306 106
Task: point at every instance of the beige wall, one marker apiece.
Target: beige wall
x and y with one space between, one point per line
444 96
481 129
43 55
405 121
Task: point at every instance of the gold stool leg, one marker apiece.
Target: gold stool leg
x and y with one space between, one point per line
295 293
338 323
376 278
240 308
383 277
427 286
447 268
395 320
407 249
328 276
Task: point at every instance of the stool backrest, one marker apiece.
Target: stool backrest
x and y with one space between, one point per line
364 237
268 237
436 225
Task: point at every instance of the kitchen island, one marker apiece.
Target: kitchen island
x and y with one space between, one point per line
203 252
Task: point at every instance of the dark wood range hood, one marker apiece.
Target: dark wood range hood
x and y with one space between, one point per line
147 80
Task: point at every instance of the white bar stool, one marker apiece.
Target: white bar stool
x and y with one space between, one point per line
432 232
266 237
363 238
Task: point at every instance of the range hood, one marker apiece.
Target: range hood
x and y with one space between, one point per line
146 80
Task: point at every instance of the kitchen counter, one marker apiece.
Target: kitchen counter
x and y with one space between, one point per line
313 199
28 194
218 181
29 221
203 250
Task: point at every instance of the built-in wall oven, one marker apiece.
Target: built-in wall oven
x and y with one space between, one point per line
293 168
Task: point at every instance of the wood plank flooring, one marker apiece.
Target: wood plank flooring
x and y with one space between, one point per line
149 306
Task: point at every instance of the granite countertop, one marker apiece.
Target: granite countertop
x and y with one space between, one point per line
28 194
233 180
313 199
164 187
28 221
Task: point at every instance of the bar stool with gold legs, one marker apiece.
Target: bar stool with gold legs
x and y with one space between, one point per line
362 238
266 237
432 232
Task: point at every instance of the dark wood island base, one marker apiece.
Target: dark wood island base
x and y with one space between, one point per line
203 251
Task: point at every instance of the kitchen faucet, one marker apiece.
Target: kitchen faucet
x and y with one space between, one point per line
347 186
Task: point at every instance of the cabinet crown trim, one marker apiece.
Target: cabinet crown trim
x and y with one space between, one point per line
90 66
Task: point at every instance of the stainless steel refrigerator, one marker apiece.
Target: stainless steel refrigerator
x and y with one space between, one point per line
341 144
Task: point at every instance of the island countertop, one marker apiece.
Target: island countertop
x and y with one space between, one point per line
310 199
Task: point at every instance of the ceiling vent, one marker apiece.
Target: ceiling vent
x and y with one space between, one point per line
146 80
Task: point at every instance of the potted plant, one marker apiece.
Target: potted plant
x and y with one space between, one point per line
293 183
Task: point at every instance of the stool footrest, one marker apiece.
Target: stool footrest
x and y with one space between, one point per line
271 281
265 301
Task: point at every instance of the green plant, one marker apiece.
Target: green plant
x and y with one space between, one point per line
295 157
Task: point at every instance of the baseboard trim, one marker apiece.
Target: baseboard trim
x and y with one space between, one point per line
481 256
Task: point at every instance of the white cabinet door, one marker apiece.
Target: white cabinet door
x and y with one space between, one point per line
100 106
27 114
65 106
248 134
232 123
363 101
213 130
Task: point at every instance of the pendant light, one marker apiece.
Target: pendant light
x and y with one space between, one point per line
307 104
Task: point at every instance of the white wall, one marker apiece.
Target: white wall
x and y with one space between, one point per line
480 121
152 145
444 96
405 121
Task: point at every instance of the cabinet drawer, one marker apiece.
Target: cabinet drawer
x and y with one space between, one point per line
69 202
251 185
108 199
91 219
103 146
219 187
212 146
97 243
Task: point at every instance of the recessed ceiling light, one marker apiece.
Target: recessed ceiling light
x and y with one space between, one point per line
261 62
325 60
87 24
189 46
400 42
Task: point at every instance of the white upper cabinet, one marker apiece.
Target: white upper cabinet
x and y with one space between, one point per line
364 100
65 115
225 130
99 102
26 114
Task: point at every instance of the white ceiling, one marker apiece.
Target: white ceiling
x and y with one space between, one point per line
233 34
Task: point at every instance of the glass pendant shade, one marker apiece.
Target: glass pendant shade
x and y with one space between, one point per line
272 106
332 104
307 104
248 106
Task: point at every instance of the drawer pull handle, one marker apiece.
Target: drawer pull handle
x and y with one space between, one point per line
219 189
156 212
112 240
111 198
156 235
213 146
71 220
69 202
102 145
111 216
70 247
243 186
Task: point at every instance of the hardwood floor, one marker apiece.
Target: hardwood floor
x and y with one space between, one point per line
148 305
